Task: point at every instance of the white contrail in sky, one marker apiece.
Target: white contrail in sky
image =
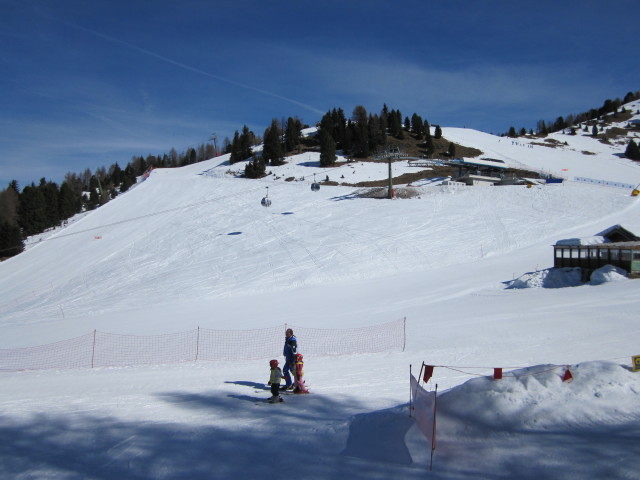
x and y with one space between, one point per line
192 69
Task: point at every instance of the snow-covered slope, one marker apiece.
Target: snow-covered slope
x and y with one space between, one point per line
193 247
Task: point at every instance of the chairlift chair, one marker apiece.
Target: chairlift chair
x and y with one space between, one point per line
266 201
315 186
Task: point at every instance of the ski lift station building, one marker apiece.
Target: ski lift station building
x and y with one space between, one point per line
480 172
615 246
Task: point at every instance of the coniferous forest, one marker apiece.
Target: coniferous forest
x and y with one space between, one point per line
38 207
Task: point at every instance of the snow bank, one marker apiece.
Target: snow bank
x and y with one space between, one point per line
536 397
549 278
567 277
608 273
584 428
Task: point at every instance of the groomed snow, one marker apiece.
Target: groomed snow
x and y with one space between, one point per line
193 247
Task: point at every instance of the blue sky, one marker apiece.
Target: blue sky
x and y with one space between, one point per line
85 84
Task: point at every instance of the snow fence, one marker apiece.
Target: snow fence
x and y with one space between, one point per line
99 349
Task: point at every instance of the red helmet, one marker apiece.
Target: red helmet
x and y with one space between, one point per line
273 363
298 357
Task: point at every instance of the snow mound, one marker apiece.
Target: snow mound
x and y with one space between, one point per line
608 273
536 397
567 277
549 278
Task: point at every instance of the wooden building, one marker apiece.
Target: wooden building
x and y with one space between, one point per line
615 246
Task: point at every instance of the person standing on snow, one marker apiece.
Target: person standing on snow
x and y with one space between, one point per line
298 373
274 380
289 352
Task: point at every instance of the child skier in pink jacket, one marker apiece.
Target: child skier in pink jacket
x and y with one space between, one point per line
298 373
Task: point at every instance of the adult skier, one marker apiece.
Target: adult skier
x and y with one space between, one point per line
289 352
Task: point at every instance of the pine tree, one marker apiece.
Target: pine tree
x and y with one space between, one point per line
94 194
451 150
542 128
559 124
31 211
326 124
417 126
384 119
115 174
255 168
632 151
235 149
438 132
9 201
429 145
339 126
327 149
361 132
128 180
594 131
246 141
376 135
398 125
272 148
11 242
68 202
51 198
292 134
347 146
426 129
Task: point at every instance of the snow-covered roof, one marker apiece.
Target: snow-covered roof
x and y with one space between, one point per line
615 233
595 240
484 162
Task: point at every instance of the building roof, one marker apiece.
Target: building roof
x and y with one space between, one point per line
606 246
484 162
617 233
581 242
613 237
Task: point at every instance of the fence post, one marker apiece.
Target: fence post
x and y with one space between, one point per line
404 333
93 349
410 392
198 343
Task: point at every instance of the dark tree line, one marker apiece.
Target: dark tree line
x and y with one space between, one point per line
365 133
571 121
46 205
280 138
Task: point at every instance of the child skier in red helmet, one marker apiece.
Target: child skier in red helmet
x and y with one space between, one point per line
274 381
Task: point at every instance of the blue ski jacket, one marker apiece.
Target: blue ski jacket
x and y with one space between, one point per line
290 350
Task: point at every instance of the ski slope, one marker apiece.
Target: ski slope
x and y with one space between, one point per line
193 247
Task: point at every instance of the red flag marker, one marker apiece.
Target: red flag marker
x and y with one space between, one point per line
428 373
